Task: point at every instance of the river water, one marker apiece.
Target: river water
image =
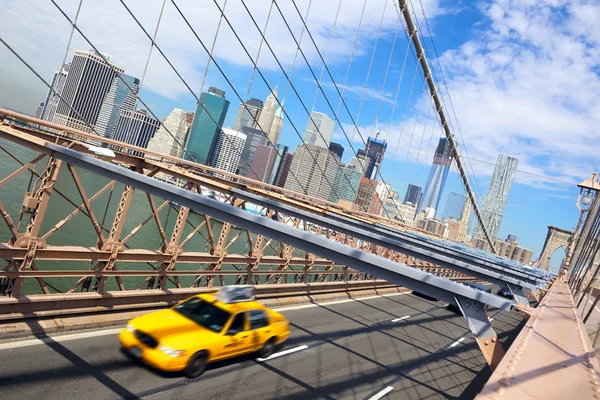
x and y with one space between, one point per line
79 230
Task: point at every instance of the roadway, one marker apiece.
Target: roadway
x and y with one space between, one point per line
393 347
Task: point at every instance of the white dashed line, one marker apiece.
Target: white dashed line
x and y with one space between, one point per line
456 343
59 339
401 318
331 303
283 353
382 393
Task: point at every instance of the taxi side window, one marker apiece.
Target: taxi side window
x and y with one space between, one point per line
238 323
258 319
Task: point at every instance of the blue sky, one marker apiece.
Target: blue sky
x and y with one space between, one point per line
523 80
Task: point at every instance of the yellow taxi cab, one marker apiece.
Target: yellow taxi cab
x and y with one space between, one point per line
203 329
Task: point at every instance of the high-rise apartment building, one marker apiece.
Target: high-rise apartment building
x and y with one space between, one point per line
248 114
208 121
254 138
465 219
277 126
312 171
135 128
173 130
345 184
284 170
267 115
89 79
492 210
53 97
319 130
228 150
454 205
413 194
438 174
361 163
374 150
337 149
122 95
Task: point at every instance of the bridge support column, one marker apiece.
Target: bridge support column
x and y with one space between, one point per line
479 323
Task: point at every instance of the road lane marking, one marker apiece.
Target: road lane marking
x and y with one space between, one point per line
400 319
456 343
331 303
59 339
283 353
382 393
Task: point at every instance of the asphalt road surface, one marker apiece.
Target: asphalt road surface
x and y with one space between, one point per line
393 347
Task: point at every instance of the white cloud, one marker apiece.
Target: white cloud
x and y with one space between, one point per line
528 86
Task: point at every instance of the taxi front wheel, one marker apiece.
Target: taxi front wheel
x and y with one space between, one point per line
197 365
267 349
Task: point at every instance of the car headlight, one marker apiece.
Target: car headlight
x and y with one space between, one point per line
130 328
172 352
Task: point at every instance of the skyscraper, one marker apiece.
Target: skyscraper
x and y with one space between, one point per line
267 115
228 150
122 95
319 130
175 126
53 96
366 194
413 194
135 128
442 159
248 114
208 121
336 148
454 205
39 110
345 184
375 149
492 210
275 132
361 163
87 84
312 171
254 138
267 161
284 170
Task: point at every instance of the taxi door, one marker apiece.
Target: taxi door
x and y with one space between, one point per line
260 329
237 338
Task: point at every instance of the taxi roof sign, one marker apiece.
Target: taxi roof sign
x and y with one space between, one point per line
235 294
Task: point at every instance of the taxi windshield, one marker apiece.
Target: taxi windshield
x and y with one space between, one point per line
203 313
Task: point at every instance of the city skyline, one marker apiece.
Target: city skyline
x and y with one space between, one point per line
277 110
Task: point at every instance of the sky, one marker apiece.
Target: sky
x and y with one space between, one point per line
518 77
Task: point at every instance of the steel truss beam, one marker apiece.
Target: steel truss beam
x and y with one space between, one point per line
371 264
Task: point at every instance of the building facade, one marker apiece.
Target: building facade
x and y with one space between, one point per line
53 97
135 128
454 205
374 150
413 194
337 149
366 191
267 115
276 127
284 170
319 130
312 171
122 95
208 121
174 129
254 138
228 151
494 202
345 184
88 81
442 160
266 162
248 114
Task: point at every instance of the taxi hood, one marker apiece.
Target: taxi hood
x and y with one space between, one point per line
168 325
